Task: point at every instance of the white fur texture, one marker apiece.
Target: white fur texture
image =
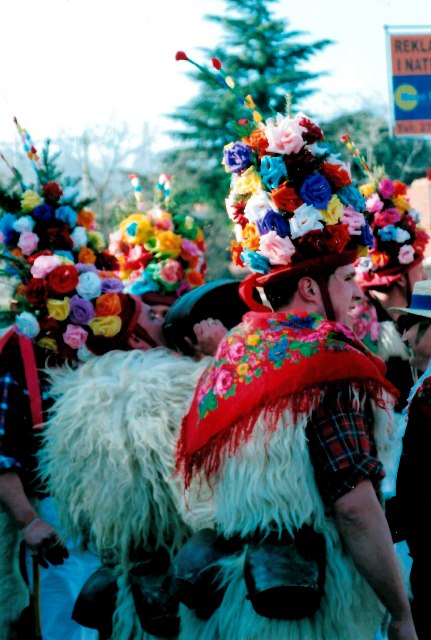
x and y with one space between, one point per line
390 343
108 457
14 595
269 484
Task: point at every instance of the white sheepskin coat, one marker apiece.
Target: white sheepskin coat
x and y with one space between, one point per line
108 456
270 484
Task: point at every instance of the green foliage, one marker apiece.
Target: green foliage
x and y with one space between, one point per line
402 159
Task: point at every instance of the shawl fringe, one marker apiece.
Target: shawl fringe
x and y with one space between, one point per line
226 442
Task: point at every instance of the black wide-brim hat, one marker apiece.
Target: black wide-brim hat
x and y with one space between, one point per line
219 299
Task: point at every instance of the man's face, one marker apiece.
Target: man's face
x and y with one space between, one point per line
418 338
151 321
344 292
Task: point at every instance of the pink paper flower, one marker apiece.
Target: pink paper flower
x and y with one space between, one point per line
386 188
74 336
171 271
373 203
406 254
388 216
354 220
44 265
278 250
28 242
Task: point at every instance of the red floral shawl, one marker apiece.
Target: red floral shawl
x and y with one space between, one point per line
270 362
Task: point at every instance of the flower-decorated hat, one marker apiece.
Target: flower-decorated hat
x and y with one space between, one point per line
399 242
161 254
65 287
292 200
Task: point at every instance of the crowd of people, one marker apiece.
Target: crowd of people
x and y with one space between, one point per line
231 459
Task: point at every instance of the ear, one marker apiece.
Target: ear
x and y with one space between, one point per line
308 289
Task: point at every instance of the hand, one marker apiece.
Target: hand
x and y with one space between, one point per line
402 629
209 333
45 544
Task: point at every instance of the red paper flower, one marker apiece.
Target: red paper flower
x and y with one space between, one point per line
286 198
216 63
400 189
33 257
180 55
63 279
337 174
52 192
243 122
106 262
345 138
36 292
313 133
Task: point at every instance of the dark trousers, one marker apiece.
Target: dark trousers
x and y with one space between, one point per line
420 578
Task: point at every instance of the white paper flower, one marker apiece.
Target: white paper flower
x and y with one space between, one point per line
284 135
27 324
79 237
306 218
258 206
23 224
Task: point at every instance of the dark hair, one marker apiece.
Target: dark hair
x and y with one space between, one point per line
408 320
281 292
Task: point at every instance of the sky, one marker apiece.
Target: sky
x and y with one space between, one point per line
68 65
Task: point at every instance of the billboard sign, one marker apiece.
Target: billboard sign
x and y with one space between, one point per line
409 56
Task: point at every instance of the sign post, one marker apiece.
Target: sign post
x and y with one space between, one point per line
409 66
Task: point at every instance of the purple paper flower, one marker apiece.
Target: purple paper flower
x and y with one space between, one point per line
112 285
85 268
316 191
42 212
273 222
81 311
237 158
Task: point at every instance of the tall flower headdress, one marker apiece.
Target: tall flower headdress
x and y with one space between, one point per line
65 289
399 242
161 254
293 202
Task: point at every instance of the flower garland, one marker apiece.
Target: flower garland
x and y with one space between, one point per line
66 285
159 251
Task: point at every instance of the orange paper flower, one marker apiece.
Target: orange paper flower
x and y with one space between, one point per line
258 141
85 219
86 256
250 237
108 304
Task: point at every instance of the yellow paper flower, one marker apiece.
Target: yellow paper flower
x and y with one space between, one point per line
242 369
253 340
363 252
167 245
30 200
250 237
96 240
48 343
137 228
248 182
367 189
334 211
107 326
58 309
401 204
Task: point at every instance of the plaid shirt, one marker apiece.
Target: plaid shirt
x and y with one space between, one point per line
342 447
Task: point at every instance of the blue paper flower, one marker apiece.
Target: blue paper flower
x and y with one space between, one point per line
67 215
238 157
7 221
388 233
272 171
367 237
65 254
141 286
316 191
351 195
273 222
42 212
255 261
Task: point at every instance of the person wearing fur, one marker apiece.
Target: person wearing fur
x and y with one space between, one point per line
114 425
291 425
